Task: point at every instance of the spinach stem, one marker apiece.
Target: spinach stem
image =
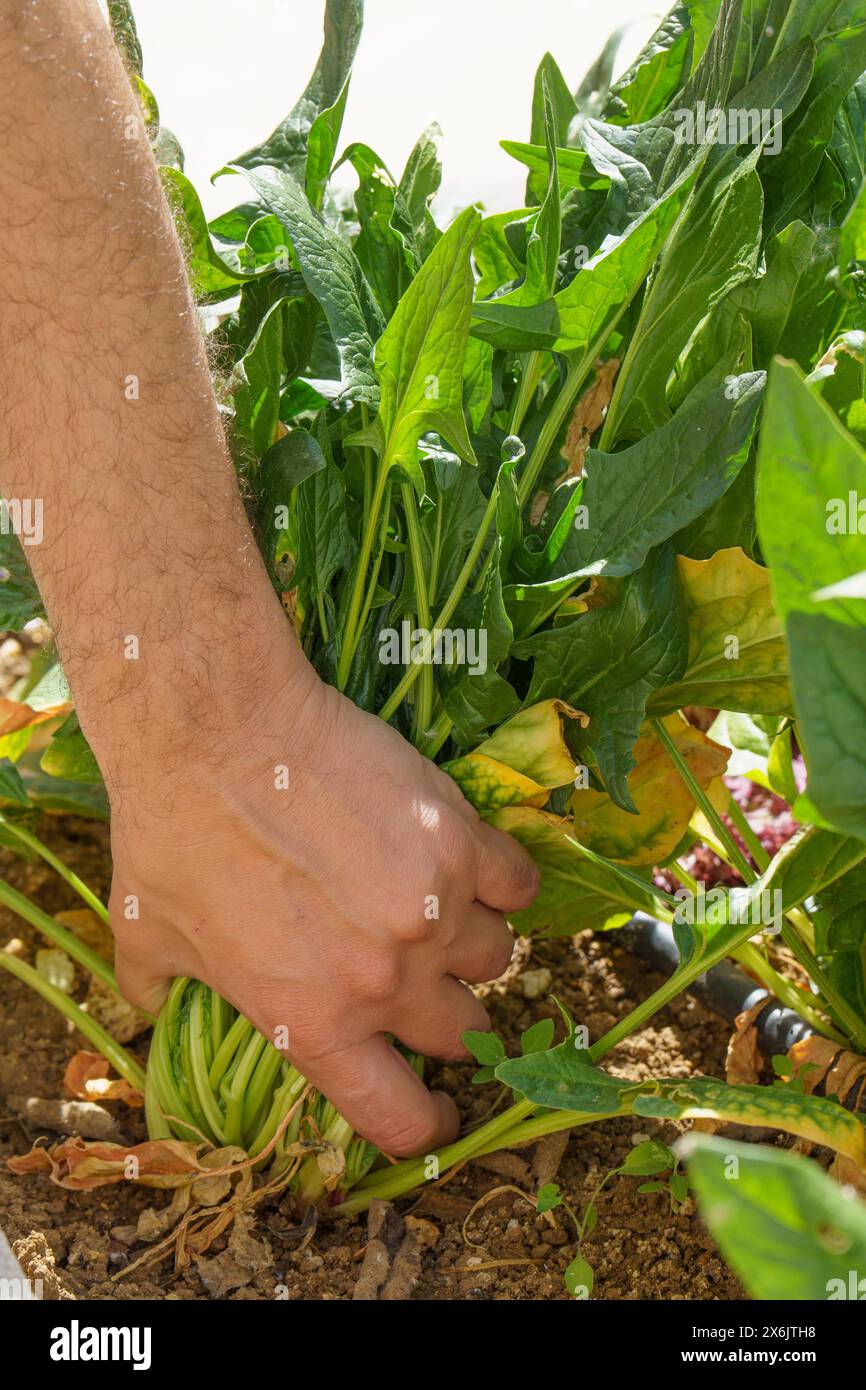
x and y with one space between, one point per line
574 381
377 563
412 1172
283 1099
323 621
854 1025
163 1095
435 558
33 842
197 1076
577 374
395 1182
439 734
87 958
748 836
367 454
118 1057
352 631
423 713
444 617
526 390
799 918
791 928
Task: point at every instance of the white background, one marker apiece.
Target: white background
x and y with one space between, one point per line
225 72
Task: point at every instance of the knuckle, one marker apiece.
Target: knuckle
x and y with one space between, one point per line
280 1009
376 976
310 1035
416 920
455 847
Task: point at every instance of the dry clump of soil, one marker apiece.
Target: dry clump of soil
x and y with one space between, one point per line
80 1242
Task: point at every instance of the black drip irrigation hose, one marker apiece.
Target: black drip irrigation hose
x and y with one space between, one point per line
728 991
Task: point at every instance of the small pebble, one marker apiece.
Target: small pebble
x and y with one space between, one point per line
425 1232
535 983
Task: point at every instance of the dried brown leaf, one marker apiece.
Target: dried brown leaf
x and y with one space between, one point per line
743 1061
815 1056
848 1174
16 715
86 1078
588 417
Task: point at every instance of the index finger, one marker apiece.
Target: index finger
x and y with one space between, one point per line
507 877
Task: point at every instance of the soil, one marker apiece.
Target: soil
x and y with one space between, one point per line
80 1243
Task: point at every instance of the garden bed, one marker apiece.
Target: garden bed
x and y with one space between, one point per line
639 1249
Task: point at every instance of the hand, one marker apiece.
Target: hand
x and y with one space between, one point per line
329 881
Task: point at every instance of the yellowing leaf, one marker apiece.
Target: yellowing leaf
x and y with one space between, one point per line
522 762
489 785
663 801
737 654
776 1107
533 742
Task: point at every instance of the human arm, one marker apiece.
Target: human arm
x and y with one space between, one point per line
278 843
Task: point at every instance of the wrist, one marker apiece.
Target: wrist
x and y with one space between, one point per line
168 710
